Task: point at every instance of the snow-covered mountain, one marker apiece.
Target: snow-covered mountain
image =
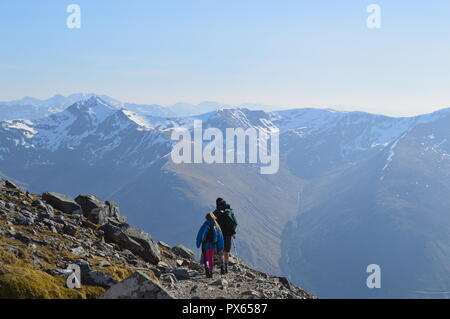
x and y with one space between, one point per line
340 174
31 108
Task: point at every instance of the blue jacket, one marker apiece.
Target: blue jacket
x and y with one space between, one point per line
201 237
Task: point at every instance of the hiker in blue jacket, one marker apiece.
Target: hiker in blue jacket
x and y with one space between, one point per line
211 239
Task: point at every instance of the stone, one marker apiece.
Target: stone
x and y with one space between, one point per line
70 230
22 238
285 282
169 278
179 262
220 282
98 211
78 251
180 274
61 202
10 185
138 286
137 241
183 252
250 275
23 221
98 278
251 294
104 263
164 245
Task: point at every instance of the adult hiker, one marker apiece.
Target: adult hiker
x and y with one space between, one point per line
210 238
228 224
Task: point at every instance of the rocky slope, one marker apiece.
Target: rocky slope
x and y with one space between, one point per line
40 236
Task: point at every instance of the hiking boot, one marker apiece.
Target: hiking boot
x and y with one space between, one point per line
208 273
222 270
226 268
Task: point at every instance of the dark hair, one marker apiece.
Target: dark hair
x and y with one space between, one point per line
218 200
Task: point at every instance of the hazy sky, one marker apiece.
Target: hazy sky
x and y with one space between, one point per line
297 53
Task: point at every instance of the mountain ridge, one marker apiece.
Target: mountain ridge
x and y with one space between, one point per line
42 238
322 155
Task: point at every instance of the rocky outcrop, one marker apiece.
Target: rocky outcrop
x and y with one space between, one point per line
137 286
62 202
9 184
42 238
98 211
137 241
183 252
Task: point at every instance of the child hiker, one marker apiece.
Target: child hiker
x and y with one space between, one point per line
210 238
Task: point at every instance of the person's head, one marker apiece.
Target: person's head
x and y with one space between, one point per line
218 200
213 218
221 204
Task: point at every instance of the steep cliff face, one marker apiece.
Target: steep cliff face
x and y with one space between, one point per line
41 237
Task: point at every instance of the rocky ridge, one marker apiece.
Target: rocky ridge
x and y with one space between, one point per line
40 236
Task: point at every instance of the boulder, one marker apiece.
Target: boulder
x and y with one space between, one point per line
94 277
70 230
137 241
62 202
23 221
9 184
180 274
285 282
98 211
138 286
98 278
183 252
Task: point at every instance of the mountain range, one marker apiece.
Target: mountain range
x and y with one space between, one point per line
33 108
353 188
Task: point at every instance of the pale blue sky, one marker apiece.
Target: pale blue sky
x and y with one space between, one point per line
297 53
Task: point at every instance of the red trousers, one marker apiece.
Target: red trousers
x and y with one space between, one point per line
209 258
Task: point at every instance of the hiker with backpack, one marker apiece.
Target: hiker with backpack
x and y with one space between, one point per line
228 224
210 238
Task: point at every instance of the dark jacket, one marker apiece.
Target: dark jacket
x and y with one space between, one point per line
226 220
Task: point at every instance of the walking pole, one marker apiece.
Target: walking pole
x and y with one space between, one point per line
234 248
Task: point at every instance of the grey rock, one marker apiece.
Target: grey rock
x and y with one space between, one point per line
184 252
84 265
62 202
220 282
137 286
39 204
251 294
285 282
98 211
137 241
98 278
250 275
10 185
180 274
59 219
104 263
23 221
169 278
78 250
22 238
70 230
164 245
